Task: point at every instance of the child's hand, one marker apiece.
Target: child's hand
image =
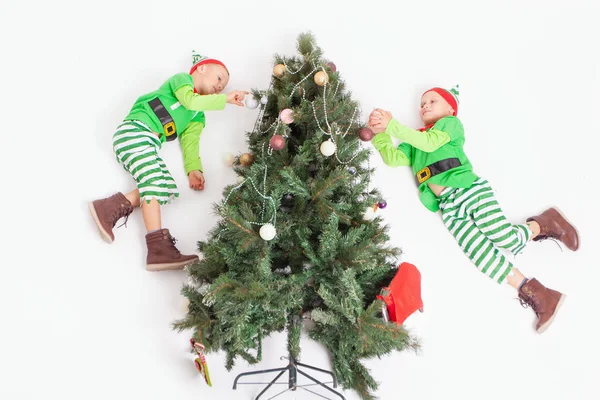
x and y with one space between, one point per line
379 120
196 180
236 97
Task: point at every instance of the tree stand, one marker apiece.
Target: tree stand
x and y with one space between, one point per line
293 370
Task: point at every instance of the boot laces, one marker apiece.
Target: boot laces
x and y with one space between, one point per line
119 213
551 237
173 241
530 302
549 234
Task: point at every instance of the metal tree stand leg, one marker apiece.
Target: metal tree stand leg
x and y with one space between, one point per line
292 383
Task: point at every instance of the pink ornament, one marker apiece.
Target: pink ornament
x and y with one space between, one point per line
277 142
366 134
332 66
287 116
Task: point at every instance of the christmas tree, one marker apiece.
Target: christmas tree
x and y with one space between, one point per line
299 236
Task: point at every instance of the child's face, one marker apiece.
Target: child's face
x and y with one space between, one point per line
214 78
434 107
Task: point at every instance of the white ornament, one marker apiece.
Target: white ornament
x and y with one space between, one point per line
184 304
264 100
369 214
327 148
267 232
251 102
228 159
204 288
190 281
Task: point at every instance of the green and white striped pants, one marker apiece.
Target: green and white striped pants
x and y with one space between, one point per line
475 219
136 148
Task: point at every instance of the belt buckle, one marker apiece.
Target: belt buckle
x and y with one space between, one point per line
169 128
170 131
423 174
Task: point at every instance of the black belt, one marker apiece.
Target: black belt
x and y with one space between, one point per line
437 168
165 118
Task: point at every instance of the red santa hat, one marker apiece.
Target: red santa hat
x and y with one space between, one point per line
198 60
451 96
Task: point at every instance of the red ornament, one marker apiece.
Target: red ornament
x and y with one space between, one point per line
366 134
404 293
277 142
332 66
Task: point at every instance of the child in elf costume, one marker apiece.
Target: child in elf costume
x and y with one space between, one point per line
175 110
469 210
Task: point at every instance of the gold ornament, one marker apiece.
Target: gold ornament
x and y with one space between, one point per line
279 70
321 78
246 159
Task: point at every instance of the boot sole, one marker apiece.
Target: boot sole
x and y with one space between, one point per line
549 322
103 233
572 226
169 266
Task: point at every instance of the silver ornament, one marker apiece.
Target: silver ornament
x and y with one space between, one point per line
251 102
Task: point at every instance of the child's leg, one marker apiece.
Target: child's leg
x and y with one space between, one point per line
137 149
515 278
480 204
150 211
151 214
133 197
482 252
476 245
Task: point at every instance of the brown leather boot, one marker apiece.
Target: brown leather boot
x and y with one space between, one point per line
162 253
106 212
545 302
554 226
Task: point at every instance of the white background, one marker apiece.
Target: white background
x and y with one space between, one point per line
83 320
